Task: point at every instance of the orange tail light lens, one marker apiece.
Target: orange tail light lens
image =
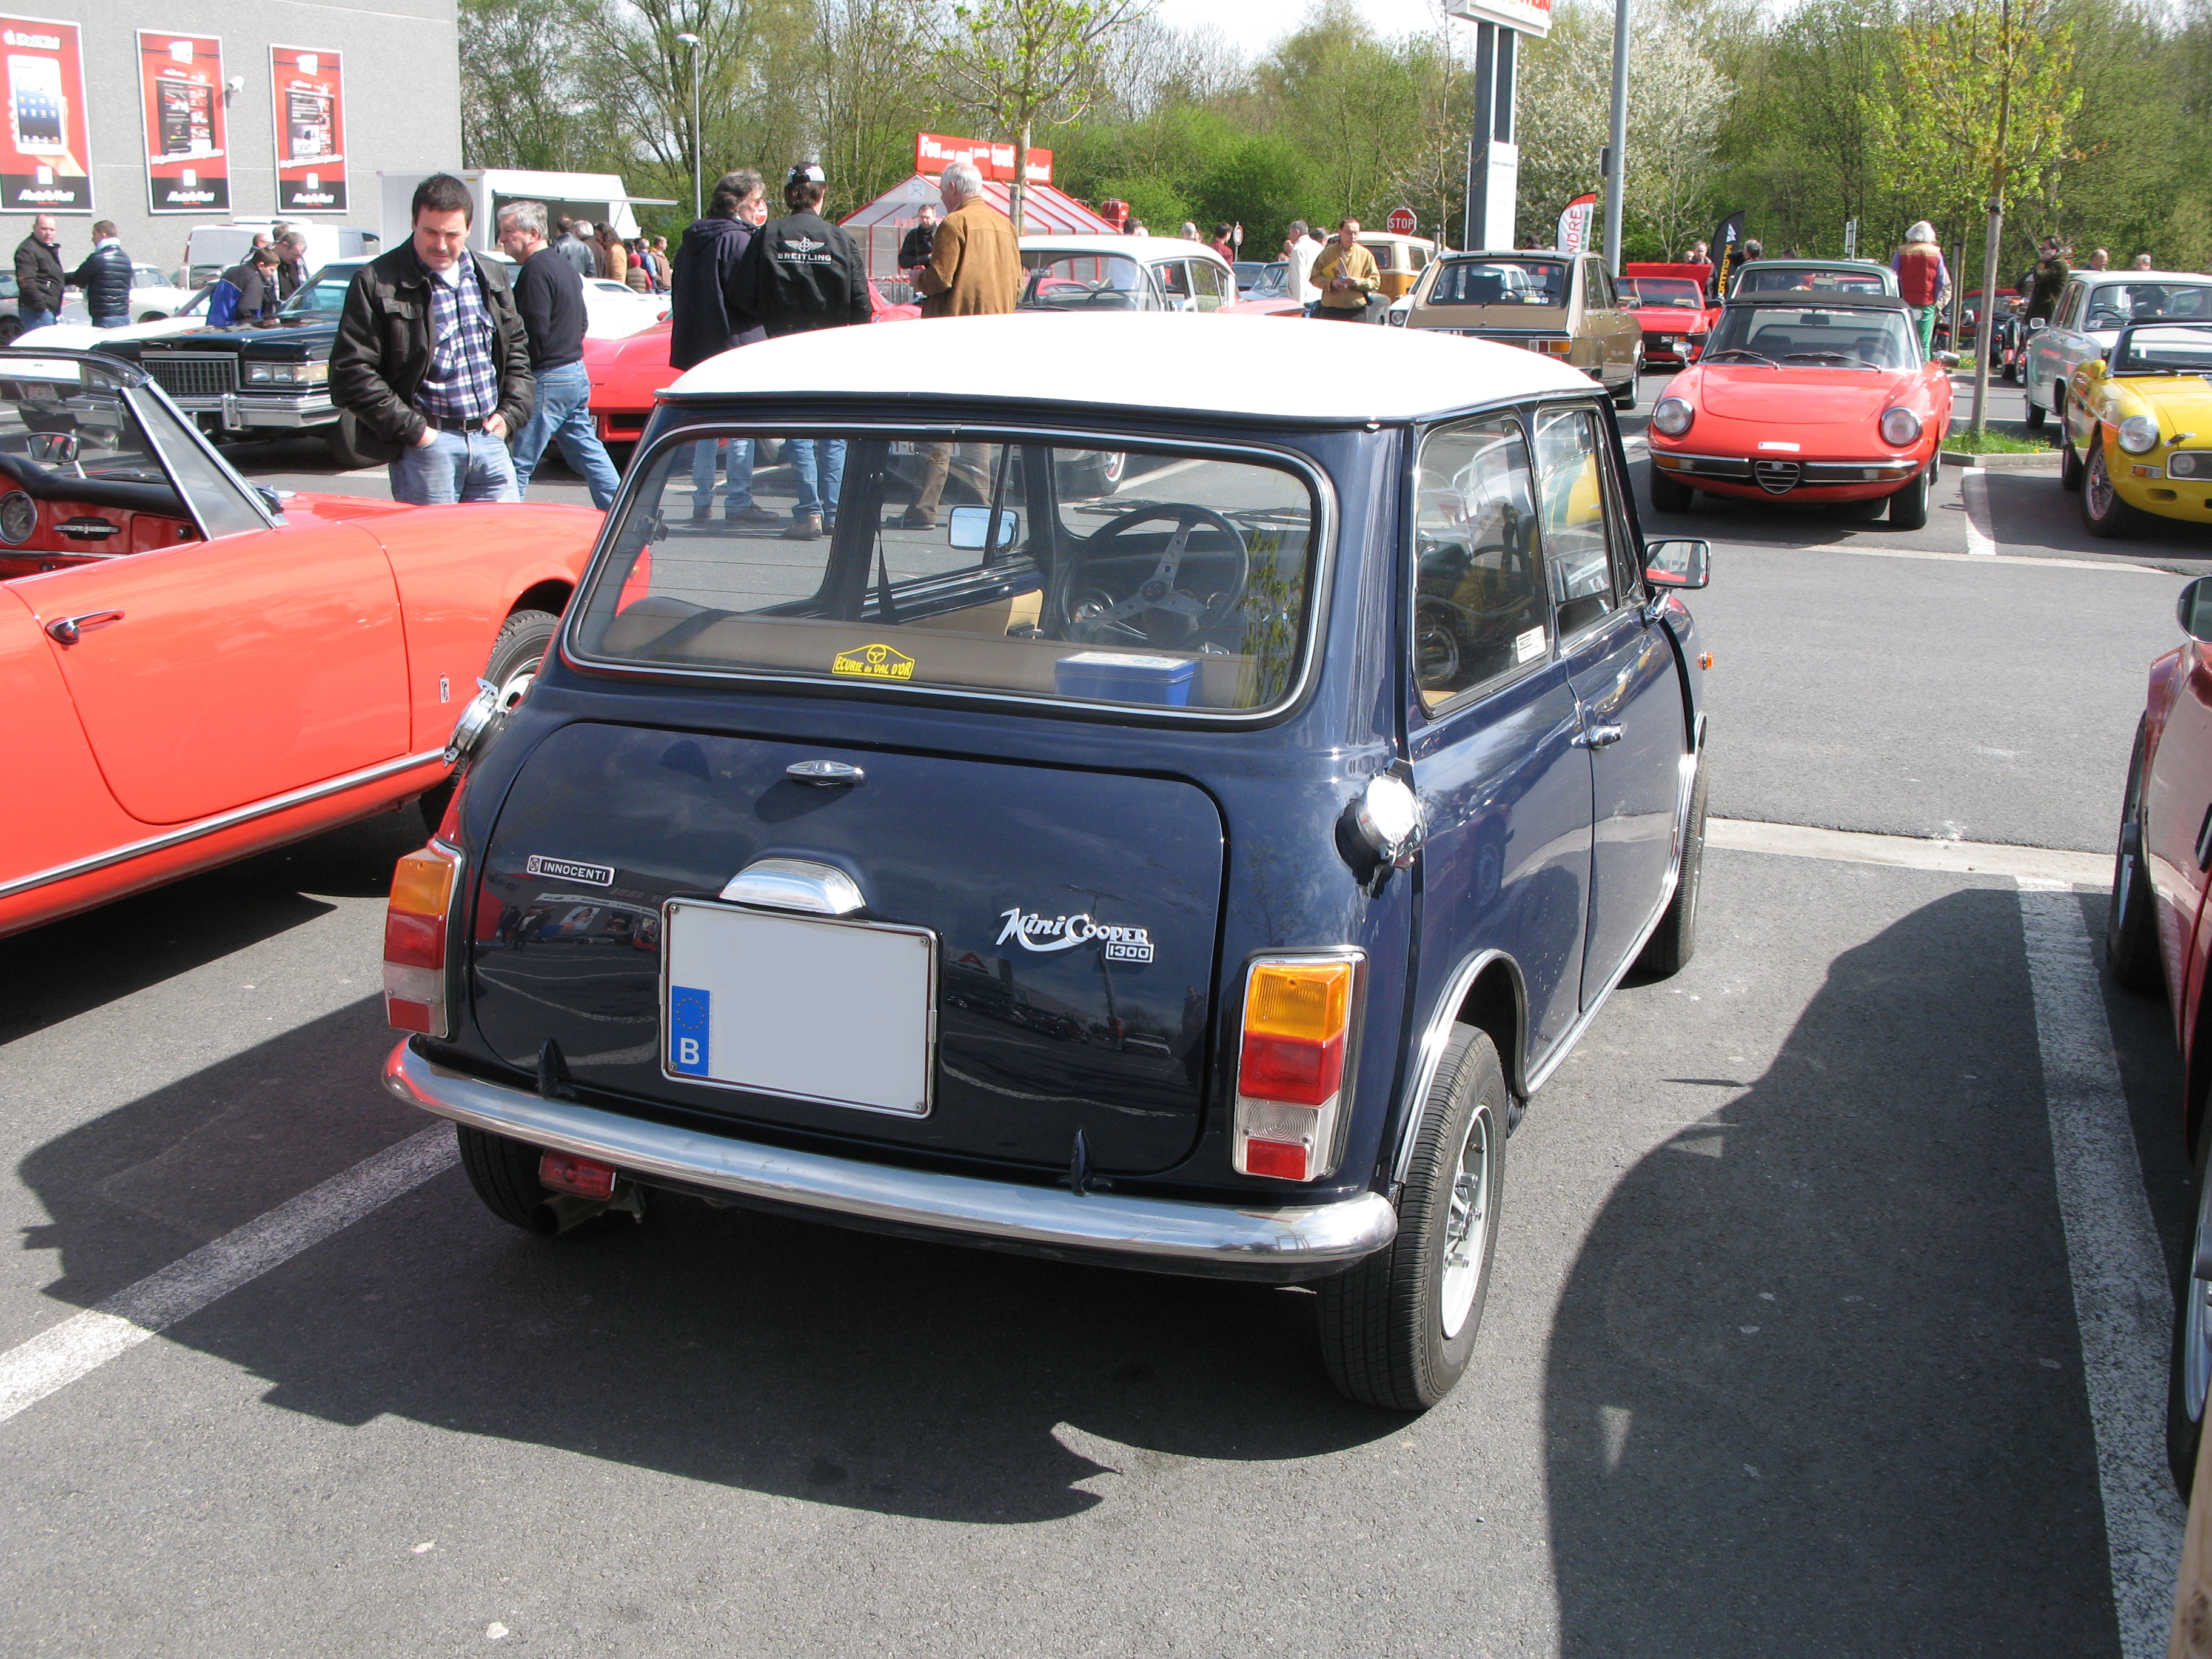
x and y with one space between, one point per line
1289 1074
422 887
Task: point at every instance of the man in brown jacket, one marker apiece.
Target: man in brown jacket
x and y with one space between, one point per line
974 270
974 266
1345 274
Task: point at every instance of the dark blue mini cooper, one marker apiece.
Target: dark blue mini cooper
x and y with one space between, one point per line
1173 799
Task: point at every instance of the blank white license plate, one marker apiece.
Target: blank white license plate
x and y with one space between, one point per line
837 1011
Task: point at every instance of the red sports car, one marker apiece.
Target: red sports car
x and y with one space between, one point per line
1674 305
1822 400
194 669
626 373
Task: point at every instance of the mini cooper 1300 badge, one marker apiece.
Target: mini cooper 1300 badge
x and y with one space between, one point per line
1035 932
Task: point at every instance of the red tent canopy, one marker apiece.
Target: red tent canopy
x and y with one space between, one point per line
880 226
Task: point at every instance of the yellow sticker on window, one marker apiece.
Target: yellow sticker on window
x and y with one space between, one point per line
874 662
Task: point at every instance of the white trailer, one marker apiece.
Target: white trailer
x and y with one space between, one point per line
597 198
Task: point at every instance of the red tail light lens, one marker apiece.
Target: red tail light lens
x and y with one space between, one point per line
1289 1074
423 888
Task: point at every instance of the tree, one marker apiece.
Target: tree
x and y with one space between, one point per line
1018 63
870 102
1678 100
521 99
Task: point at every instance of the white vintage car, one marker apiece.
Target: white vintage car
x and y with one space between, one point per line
2094 307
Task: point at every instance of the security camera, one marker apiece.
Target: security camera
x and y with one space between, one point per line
236 84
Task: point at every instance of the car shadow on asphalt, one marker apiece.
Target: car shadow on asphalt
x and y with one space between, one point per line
1815 1384
718 1344
83 962
2031 513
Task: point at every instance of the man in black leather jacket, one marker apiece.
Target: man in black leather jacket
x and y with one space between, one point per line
431 369
104 276
38 278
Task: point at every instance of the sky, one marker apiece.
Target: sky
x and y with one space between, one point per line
1254 25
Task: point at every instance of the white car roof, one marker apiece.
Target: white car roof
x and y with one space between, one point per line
2107 278
1263 368
1146 248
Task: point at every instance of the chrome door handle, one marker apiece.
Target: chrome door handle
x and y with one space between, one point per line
67 630
1598 737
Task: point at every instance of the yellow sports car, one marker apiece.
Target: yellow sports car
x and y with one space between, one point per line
2139 427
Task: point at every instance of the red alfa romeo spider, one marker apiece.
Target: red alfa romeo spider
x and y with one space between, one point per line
1820 400
194 669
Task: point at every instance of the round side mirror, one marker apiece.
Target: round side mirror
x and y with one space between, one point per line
2035 323
2193 610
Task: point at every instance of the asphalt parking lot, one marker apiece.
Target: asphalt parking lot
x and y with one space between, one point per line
1829 1316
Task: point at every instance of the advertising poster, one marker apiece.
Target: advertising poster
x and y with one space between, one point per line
934 150
43 150
310 131
181 84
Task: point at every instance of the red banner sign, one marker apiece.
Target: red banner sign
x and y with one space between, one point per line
187 149
933 152
44 147
311 175
1574 232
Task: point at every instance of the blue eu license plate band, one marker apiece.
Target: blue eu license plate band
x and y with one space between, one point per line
690 1016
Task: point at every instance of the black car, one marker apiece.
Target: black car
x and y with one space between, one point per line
1200 879
255 379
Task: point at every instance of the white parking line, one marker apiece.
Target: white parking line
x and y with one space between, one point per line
58 1356
2123 1304
1874 551
1974 491
1911 852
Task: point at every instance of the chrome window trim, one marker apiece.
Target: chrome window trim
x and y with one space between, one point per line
219 823
223 468
1256 450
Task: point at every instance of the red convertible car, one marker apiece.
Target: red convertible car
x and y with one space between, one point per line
1674 305
2159 937
626 373
194 669
1823 399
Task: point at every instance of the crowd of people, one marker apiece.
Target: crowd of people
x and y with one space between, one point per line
460 378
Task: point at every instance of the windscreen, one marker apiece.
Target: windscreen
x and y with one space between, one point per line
1160 579
324 295
2115 305
1500 282
1852 339
1086 283
1756 279
2178 349
1272 283
1668 291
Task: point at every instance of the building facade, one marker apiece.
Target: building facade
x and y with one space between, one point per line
352 90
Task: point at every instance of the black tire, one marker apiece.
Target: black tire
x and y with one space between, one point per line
1624 396
505 1176
343 455
516 651
1669 494
2034 412
1908 507
9 328
2069 465
1670 947
2192 1339
2103 513
1382 1331
2131 921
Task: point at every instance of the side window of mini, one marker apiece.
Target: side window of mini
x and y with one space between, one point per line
1479 610
1571 496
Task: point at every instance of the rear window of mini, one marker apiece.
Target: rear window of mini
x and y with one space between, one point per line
1169 579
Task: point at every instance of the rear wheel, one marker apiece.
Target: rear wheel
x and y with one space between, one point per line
1908 509
1624 396
2190 1371
2131 920
1675 940
1396 1330
2069 463
2103 512
9 328
1669 494
505 1176
2034 412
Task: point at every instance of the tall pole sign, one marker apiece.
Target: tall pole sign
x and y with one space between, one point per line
1493 156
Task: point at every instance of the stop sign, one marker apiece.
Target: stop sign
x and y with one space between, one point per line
1402 221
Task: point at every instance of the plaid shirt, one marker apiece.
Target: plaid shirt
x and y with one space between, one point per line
461 383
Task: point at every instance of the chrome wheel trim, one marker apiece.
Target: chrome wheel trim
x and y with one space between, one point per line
516 688
2196 1318
1467 1223
2097 485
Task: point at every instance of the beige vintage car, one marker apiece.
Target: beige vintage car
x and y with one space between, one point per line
1560 305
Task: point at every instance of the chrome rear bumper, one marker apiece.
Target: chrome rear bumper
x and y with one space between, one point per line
1163 1235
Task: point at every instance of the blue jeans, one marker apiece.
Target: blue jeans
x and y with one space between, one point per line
112 319
563 415
738 494
818 487
455 466
31 320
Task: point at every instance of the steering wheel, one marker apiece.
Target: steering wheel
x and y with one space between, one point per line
1162 610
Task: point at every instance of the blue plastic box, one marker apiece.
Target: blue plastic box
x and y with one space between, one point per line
1111 677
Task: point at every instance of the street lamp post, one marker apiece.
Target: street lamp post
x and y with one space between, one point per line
698 206
1616 153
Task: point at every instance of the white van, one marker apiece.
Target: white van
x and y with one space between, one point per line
210 250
